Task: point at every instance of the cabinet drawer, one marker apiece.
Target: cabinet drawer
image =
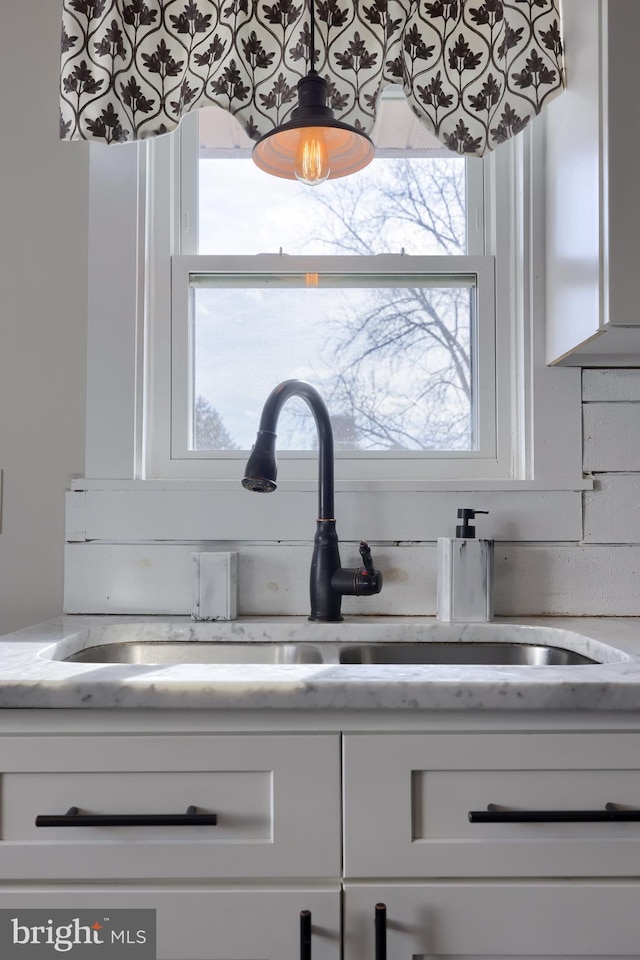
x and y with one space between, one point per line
192 923
408 799
487 921
276 801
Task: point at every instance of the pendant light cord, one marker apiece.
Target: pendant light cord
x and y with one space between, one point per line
312 38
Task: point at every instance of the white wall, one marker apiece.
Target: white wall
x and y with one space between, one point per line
561 557
43 242
43 204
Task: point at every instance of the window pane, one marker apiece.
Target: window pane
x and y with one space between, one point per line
415 204
392 356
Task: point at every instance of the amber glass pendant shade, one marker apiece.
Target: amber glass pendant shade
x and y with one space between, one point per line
313 146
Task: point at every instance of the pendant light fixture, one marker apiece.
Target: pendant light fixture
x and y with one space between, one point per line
313 146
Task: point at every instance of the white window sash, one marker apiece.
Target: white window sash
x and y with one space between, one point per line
350 465
186 155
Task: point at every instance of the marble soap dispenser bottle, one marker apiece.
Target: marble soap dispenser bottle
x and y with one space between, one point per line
465 573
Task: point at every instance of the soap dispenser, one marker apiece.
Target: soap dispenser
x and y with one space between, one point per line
465 573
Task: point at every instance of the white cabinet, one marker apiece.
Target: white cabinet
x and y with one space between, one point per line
408 800
213 923
333 823
563 885
276 805
276 800
592 202
487 921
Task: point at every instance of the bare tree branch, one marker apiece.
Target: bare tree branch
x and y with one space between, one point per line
403 365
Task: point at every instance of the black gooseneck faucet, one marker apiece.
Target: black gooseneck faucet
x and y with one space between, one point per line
329 582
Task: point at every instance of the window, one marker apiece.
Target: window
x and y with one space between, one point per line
379 289
137 488
530 472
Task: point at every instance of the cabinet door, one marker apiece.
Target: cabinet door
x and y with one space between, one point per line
195 923
408 799
487 921
276 799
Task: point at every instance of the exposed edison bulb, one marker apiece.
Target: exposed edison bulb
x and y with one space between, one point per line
312 157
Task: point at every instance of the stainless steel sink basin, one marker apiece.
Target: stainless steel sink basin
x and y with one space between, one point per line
423 652
197 651
525 654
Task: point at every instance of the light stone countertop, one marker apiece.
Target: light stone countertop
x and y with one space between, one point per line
34 675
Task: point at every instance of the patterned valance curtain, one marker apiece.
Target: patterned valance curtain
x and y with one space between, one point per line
474 72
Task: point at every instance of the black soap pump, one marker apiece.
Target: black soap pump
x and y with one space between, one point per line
464 530
465 573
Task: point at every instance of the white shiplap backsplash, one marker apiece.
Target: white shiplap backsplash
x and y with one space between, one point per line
594 572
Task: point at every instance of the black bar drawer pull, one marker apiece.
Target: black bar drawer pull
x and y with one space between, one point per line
612 813
380 932
73 818
305 935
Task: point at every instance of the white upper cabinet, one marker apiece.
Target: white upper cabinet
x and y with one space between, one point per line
593 202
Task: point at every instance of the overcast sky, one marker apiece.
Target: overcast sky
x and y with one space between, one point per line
242 210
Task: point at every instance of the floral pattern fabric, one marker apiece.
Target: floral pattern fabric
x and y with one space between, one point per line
474 72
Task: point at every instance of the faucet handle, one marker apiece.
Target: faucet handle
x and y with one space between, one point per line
361 581
368 580
365 553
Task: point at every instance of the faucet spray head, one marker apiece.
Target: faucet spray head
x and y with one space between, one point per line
262 469
259 484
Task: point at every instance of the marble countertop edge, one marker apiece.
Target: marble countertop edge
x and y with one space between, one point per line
30 679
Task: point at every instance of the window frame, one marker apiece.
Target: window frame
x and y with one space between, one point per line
169 458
